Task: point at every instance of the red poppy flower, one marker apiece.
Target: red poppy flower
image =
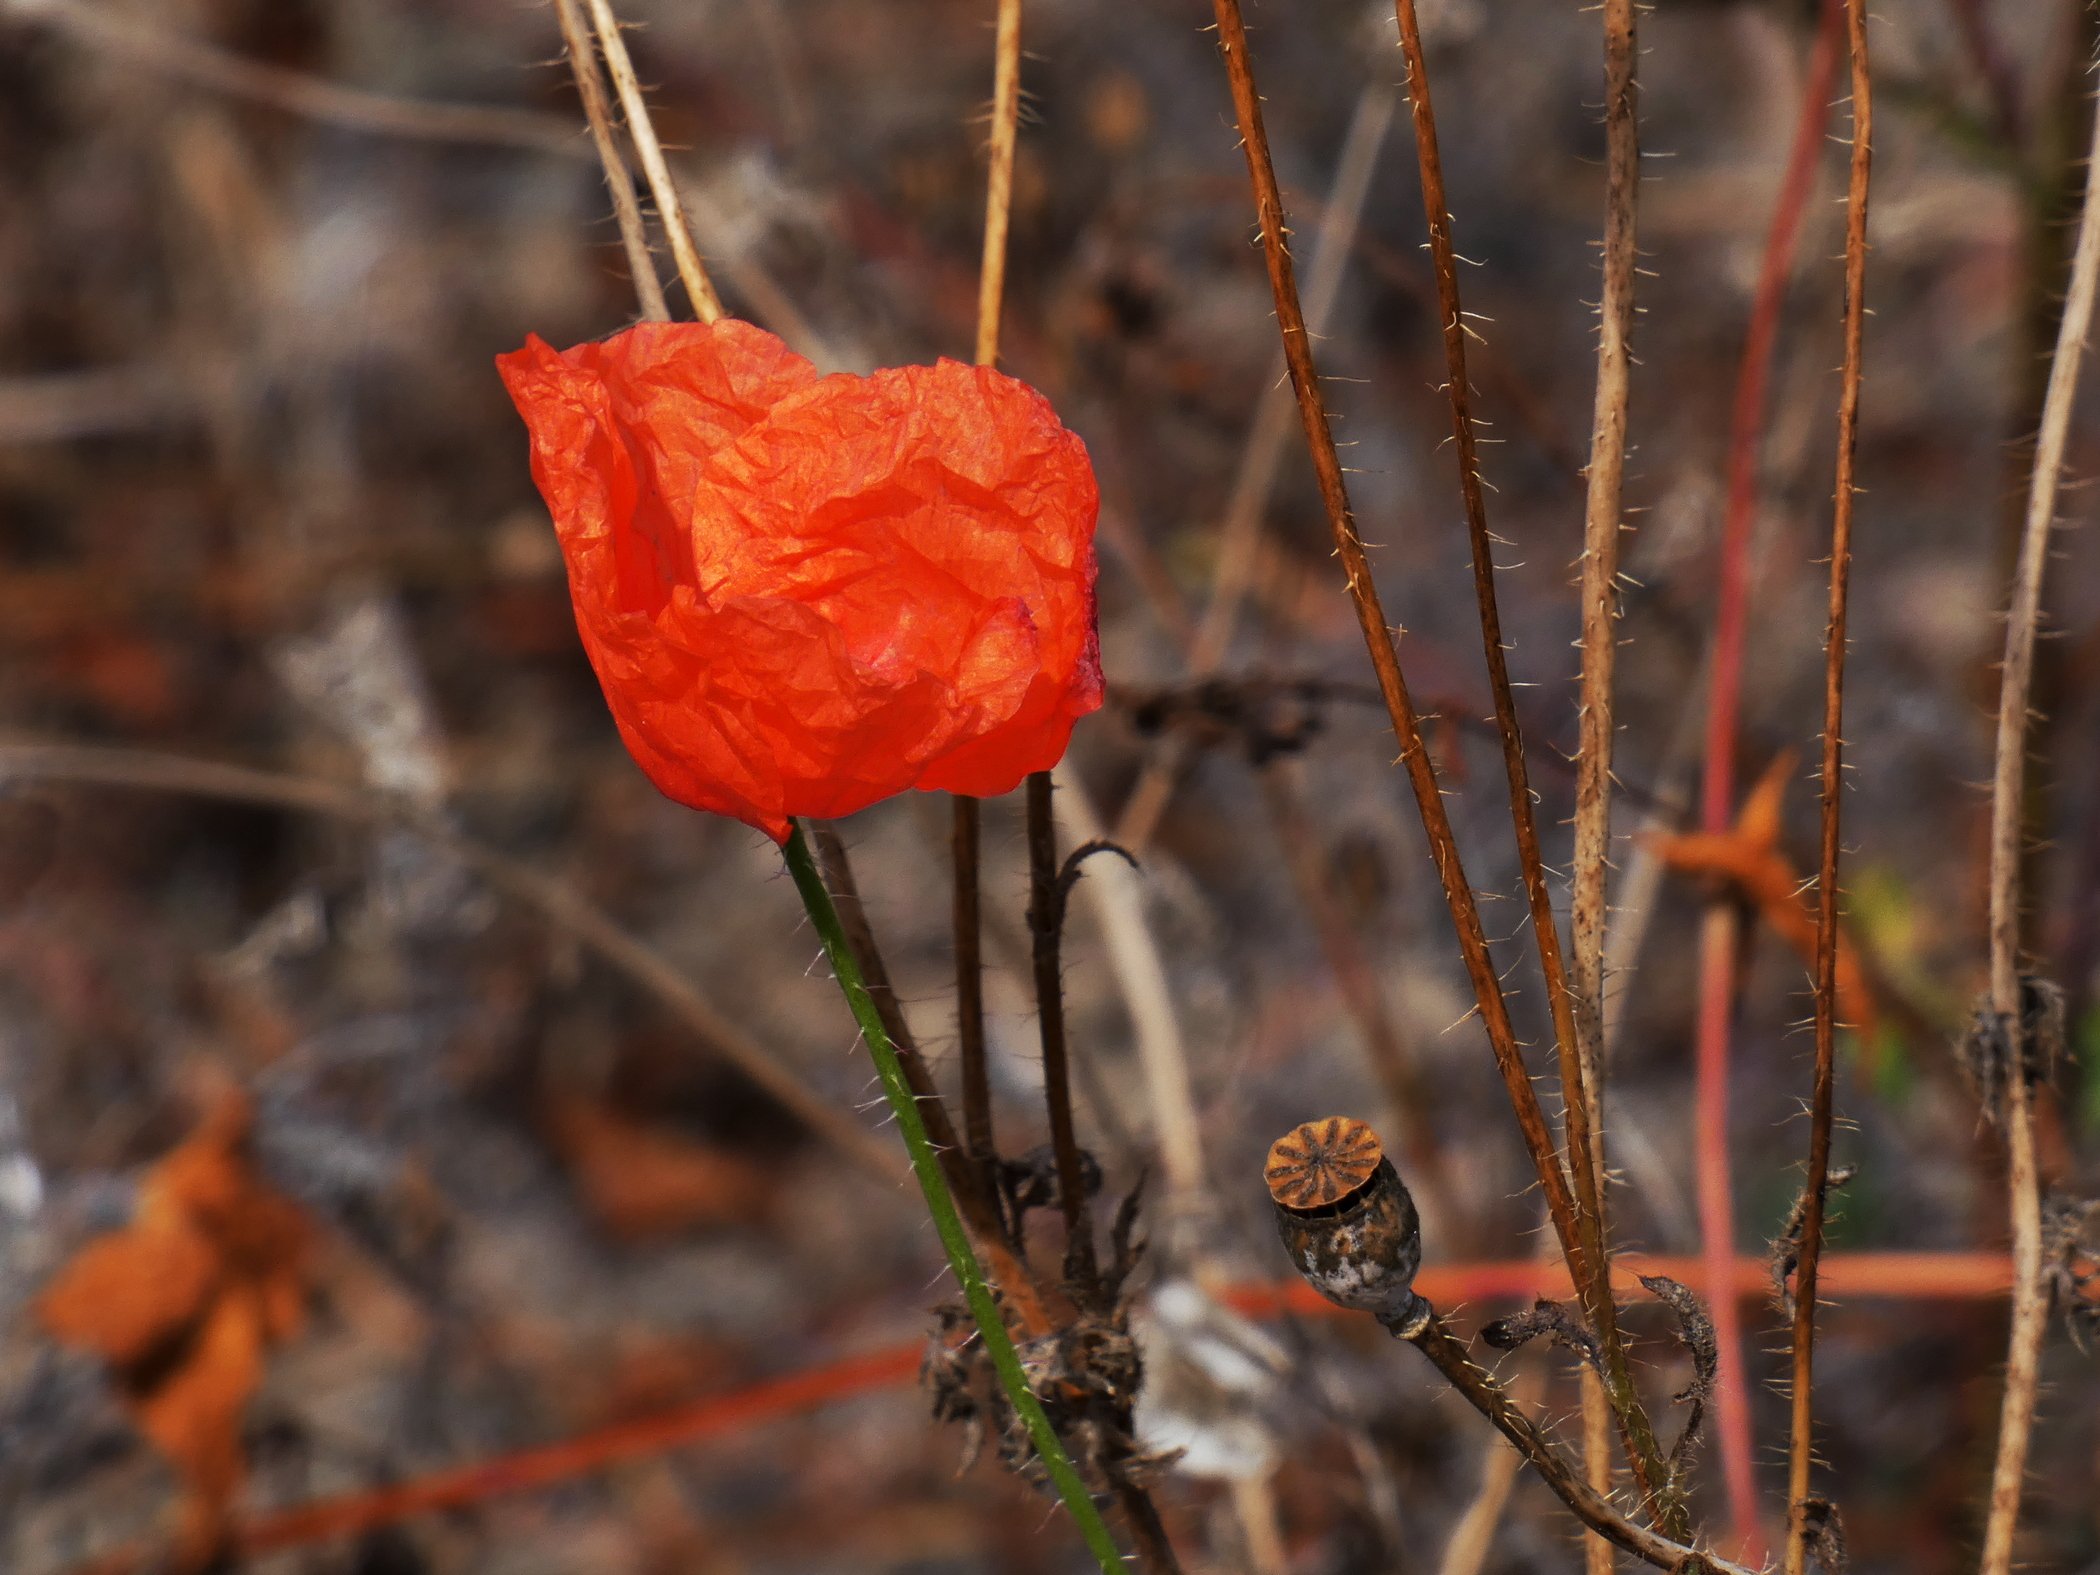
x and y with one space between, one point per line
803 594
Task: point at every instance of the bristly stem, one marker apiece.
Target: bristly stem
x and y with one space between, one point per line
1045 915
925 1165
1378 640
590 87
2030 1305
1718 928
1603 509
707 306
999 179
1801 1432
1426 1331
1591 1263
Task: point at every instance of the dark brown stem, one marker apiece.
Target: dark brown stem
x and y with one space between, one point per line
1148 1533
1801 1434
979 1209
1426 1331
1045 911
1592 1271
1378 639
978 1139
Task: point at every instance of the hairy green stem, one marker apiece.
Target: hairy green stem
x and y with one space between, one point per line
925 1165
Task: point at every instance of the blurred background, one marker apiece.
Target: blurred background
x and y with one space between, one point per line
468 1095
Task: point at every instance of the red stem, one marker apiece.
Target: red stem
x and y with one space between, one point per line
1717 798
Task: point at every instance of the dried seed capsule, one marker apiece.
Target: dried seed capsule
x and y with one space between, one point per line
1345 1217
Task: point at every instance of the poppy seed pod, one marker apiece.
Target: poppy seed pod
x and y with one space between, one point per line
1346 1218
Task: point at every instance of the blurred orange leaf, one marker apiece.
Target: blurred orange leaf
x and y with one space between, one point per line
1748 858
644 1179
183 1304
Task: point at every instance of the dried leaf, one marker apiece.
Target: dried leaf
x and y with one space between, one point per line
1748 858
647 1180
1551 1319
184 1304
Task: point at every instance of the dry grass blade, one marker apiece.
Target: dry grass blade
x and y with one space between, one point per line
707 306
590 87
1801 1433
2008 793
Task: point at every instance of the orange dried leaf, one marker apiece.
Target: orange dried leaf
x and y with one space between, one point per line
647 1180
127 1295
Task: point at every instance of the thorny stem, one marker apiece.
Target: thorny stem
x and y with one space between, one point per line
590 87
1717 937
1378 639
1426 1331
707 306
991 1326
1045 913
2029 1301
1801 1433
1588 918
1592 1265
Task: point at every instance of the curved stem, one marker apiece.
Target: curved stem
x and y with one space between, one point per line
947 1224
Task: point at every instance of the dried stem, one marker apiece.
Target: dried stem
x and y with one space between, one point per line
1592 1266
999 182
1718 929
1602 513
927 1168
1426 1331
707 306
2008 785
1801 1434
966 834
1378 638
590 87
1045 925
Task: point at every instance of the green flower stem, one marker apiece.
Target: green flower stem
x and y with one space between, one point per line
991 1328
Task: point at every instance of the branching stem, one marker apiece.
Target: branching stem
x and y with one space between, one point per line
991 1327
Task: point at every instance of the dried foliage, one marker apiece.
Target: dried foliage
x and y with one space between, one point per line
1986 1049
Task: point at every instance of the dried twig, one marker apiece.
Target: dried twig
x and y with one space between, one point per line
1592 1267
1045 912
2008 782
1603 510
1427 1333
1718 929
1801 1432
707 306
1378 637
590 87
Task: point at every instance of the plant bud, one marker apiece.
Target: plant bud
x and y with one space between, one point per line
1345 1217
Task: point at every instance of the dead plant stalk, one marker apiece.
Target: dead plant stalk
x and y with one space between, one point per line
2030 1305
1603 510
1801 1433
1392 684
1592 1271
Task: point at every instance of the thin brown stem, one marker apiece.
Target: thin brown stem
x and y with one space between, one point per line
2008 785
707 306
1378 639
1593 1273
966 829
1045 925
1801 1433
590 87
1602 513
999 181
1426 1331
980 1211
